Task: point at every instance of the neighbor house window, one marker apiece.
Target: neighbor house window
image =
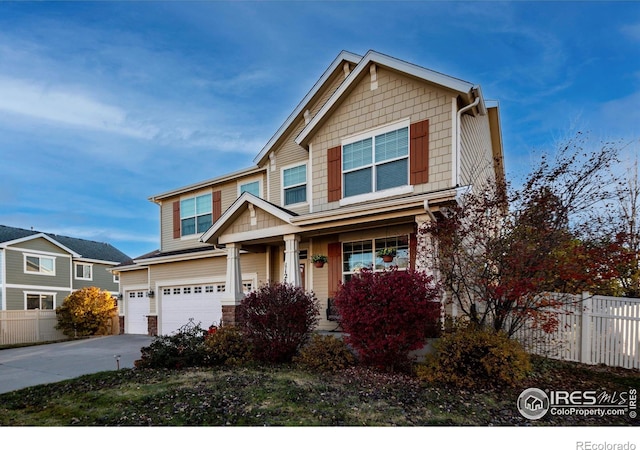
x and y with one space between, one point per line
39 264
360 255
84 271
40 301
375 161
195 214
251 187
294 183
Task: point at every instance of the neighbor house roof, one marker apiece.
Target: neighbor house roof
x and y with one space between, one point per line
83 248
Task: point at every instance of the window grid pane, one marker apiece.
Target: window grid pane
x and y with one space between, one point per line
358 182
392 174
295 175
204 223
252 188
394 144
295 195
357 154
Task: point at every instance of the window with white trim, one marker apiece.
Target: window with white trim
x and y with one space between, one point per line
40 301
42 265
294 185
252 187
375 161
84 271
116 278
360 255
195 214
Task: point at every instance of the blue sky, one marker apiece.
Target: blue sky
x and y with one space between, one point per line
104 104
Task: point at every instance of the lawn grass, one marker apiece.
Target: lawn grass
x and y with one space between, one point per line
287 396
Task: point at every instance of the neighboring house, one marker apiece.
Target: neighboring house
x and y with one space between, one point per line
373 151
38 270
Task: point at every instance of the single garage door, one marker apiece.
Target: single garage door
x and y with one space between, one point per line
136 312
181 304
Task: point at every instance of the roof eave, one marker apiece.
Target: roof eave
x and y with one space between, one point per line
342 57
446 81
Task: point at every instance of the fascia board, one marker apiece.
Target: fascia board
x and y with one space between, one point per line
431 76
246 197
45 237
202 184
343 56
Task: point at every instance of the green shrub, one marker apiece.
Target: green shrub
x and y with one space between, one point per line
471 357
227 345
86 312
325 353
184 348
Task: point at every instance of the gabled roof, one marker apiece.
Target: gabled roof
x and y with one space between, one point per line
343 57
79 248
238 206
446 81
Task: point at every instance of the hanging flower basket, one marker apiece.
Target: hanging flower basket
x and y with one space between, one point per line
387 254
387 258
319 260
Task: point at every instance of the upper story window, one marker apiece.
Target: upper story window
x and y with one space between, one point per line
375 161
195 214
43 265
84 271
294 185
251 185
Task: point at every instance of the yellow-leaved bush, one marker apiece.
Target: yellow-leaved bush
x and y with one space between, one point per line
470 356
86 312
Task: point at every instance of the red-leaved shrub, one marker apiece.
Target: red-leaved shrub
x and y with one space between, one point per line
388 314
278 319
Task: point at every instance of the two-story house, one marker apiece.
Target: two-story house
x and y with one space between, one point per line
373 151
38 270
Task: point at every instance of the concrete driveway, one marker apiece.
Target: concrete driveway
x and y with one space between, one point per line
41 364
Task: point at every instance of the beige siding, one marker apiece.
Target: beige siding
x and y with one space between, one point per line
319 280
135 277
476 165
262 220
397 97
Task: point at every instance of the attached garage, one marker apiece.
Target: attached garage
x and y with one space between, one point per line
137 310
197 303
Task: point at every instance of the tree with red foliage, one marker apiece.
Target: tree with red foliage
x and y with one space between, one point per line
278 319
501 252
386 315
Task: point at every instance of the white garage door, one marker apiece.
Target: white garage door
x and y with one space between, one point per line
137 310
181 304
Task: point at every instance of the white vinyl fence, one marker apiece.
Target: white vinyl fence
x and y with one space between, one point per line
592 330
23 327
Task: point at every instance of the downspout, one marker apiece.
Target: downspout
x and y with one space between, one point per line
458 137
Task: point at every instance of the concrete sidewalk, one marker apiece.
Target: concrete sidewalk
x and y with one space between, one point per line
41 364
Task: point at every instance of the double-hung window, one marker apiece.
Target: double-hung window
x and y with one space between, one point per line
294 184
83 271
42 265
376 161
195 214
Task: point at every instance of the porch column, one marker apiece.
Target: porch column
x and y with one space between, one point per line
233 292
426 251
292 260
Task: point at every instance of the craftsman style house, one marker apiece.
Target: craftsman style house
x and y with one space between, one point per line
38 270
375 149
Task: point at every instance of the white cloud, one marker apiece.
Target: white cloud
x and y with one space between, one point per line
63 106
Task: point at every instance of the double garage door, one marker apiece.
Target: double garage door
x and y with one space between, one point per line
177 306
180 305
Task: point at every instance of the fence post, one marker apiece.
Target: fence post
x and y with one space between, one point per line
585 328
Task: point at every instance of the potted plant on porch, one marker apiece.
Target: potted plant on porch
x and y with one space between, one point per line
387 254
319 260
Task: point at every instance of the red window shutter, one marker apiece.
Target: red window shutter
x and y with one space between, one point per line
176 220
217 205
334 170
335 267
419 152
